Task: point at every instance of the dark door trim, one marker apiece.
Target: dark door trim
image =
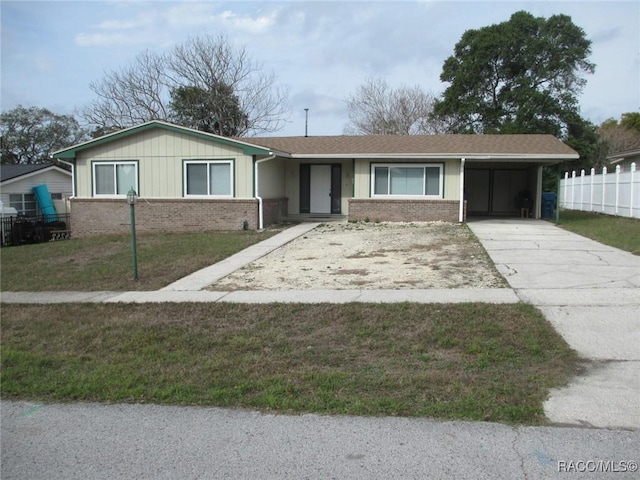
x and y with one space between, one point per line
336 187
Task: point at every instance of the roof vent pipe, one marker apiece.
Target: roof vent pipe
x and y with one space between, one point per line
306 122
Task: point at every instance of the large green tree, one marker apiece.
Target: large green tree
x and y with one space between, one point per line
31 135
215 110
519 76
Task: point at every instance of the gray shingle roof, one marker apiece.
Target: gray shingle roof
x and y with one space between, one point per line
428 145
9 171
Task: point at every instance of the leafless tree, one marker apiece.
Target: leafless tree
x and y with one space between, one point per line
378 109
206 62
142 91
618 138
130 96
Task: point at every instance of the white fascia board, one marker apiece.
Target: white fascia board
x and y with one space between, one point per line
37 172
437 156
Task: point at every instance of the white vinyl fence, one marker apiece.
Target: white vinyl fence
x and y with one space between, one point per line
613 193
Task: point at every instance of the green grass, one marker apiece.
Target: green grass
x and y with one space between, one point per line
105 262
469 361
619 232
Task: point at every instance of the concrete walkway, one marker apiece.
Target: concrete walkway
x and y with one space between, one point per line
591 294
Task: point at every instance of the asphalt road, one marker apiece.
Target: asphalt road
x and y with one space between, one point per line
88 441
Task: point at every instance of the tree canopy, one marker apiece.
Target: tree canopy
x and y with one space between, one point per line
203 74
216 110
31 135
620 136
378 109
519 76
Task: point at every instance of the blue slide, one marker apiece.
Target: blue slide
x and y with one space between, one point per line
43 197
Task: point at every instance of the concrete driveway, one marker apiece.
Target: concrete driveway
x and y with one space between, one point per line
590 292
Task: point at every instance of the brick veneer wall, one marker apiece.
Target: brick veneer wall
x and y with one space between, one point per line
104 216
396 210
274 209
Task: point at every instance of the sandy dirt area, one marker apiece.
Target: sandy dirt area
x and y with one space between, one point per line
349 256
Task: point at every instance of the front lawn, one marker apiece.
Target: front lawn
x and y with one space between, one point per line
619 232
105 262
465 361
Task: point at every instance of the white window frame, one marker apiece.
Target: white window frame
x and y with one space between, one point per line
440 167
23 201
229 162
94 178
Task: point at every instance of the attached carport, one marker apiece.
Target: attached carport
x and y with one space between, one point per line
505 187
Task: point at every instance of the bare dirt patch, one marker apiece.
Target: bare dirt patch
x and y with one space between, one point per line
345 256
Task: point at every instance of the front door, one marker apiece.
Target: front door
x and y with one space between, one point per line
320 188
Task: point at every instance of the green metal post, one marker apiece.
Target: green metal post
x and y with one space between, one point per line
133 242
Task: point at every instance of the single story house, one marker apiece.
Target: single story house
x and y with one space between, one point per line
189 180
17 182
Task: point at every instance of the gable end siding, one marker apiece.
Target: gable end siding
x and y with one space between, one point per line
160 154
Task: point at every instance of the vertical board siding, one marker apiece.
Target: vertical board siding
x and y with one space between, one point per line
160 154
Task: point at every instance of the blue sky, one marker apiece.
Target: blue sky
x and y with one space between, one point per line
52 50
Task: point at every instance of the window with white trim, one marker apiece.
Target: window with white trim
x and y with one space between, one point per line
112 179
407 180
24 203
208 178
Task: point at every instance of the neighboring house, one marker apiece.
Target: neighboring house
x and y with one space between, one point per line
189 180
625 159
17 182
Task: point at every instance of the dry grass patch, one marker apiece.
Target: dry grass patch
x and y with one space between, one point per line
104 262
470 361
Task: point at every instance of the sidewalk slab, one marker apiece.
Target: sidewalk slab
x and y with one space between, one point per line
56 297
599 332
209 275
293 296
167 297
580 296
458 295
489 295
605 397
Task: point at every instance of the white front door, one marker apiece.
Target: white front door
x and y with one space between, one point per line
320 189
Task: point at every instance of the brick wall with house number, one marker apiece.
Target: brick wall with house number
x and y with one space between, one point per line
107 216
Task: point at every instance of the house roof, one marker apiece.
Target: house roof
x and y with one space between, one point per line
622 156
11 172
247 148
470 146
